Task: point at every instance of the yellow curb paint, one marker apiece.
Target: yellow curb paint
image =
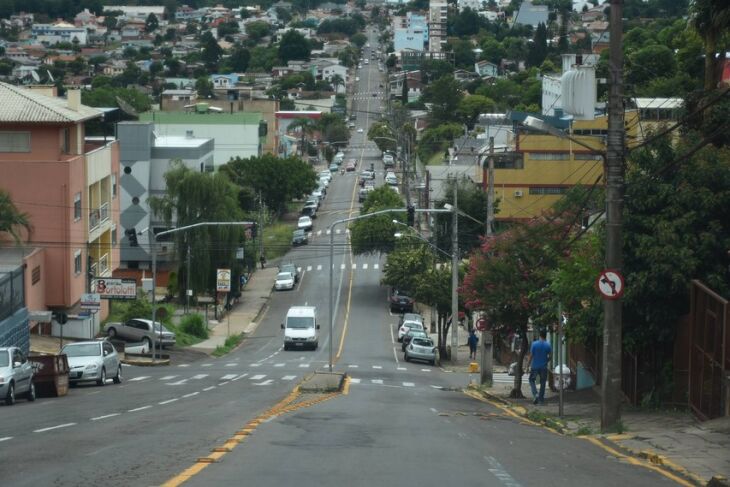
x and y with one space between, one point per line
224 449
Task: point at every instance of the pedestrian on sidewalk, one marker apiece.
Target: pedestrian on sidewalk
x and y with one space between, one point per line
540 353
472 341
263 261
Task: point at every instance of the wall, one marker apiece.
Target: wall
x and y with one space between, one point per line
35 293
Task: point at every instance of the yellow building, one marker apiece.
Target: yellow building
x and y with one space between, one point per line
547 166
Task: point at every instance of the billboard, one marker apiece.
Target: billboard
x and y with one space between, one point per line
112 288
223 280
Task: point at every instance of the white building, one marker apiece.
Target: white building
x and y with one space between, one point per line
51 34
137 12
437 19
574 91
475 5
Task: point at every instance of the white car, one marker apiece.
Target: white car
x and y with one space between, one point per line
317 193
305 223
93 361
360 130
284 281
408 325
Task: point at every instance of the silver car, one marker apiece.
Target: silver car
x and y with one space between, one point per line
421 348
16 375
141 330
93 361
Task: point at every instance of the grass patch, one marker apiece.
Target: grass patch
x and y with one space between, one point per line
277 240
545 420
583 431
141 308
231 342
182 339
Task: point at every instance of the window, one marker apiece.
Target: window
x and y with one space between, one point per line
77 207
114 235
65 140
14 141
548 190
549 156
587 157
35 275
114 185
77 262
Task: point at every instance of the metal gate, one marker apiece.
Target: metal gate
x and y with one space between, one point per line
709 351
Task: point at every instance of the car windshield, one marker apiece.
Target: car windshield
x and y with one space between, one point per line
83 350
423 342
300 322
283 276
298 233
413 326
4 359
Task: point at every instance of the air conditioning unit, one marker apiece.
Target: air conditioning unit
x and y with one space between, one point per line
518 194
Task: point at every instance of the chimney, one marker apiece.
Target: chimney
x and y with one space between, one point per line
73 98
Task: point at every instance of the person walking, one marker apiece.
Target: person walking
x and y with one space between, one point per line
540 353
472 341
263 261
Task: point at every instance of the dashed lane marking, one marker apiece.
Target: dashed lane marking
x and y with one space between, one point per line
279 365
42 430
289 377
309 267
258 377
376 266
209 388
168 377
142 408
199 376
377 367
228 377
184 365
231 364
319 267
364 267
353 366
162 403
402 368
409 384
354 380
141 377
303 366
105 416
6 438
178 383
354 266
192 394
376 381
255 365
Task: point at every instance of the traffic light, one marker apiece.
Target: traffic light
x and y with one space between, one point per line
411 215
132 236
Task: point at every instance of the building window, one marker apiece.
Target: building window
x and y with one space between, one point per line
14 141
77 207
549 156
114 185
587 157
35 275
548 190
65 140
77 262
114 235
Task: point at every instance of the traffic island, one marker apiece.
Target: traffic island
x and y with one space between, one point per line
145 360
322 382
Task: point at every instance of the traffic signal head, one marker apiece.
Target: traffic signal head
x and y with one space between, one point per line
132 236
411 215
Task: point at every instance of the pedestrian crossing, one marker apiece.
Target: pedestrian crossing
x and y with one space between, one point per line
359 381
342 267
369 95
319 233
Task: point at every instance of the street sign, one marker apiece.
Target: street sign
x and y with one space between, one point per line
113 288
610 284
90 301
223 280
481 324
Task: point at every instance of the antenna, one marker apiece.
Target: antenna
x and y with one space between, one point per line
35 76
50 76
126 108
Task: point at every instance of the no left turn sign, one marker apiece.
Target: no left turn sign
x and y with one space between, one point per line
610 284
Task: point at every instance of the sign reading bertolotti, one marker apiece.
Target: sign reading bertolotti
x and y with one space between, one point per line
223 280
114 288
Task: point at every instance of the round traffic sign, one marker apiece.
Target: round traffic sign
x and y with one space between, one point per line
610 284
481 324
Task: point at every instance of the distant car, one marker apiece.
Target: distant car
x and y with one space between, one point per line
326 174
299 237
291 268
357 78
374 95
421 348
313 199
141 330
305 223
400 303
318 193
409 325
360 130
350 167
284 281
367 175
334 167
409 336
93 361
16 376
310 210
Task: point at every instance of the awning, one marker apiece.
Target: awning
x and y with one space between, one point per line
40 316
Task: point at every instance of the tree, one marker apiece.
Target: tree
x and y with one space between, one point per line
204 87
538 50
444 96
193 197
12 220
381 134
470 107
359 40
336 81
211 51
294 46
472 200
711 18
376 234
257 30
103 94
151 23
238 62
650 62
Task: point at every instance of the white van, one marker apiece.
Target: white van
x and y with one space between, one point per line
300 328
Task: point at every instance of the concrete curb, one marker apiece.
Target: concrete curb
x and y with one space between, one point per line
146 363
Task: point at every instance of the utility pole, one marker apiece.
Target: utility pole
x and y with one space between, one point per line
261 227
455 276
612 333
187 283
490 188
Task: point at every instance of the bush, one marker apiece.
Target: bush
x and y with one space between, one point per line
194 324
139 308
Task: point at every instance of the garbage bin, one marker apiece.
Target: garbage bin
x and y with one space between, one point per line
50 375
561 373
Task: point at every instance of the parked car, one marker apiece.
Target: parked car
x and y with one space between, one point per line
400 303
350 167
141 330
318 193
407 326
421 348
284 281
93 361
291 268
312 199
409 317
333 167
299 237
310 210
16 376
360 130
305 223
325 174
412 332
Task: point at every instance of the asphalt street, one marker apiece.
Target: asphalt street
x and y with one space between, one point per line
400 423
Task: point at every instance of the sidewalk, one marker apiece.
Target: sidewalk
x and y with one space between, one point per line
673 439
241 319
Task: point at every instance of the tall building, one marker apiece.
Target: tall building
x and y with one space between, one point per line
437 28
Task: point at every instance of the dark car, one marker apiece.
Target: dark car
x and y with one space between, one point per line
408 336
400 302
310 211
299 237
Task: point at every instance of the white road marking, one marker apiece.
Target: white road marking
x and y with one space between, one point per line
279 365
240 377
354 266
501 474
319 232
66 425
206 365
328 232
303 366
353 366
231 364
436 387
434 410
178 383
377 366
184 365
364 266
309 268
224 383
319 267
376 381
353 380
338 231
255 365
375 266
200 376
425 370
408 384
228 377
105 416
192 394
289 377
258 377
6 438
168 377
342 267
161 403
299 269
141 377
264 383
139 409
402 368
208 388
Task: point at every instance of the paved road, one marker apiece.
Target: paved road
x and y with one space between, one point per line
403 423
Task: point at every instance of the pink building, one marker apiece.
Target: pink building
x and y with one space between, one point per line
68 187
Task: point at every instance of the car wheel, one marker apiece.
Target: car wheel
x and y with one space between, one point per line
111 332
286 347
10 397
30 395
433 362
316 345
118 377
147 341
102 379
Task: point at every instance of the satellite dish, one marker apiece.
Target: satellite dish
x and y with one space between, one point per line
50 76
35 76
127 108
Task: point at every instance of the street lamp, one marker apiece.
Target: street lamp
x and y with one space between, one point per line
417 235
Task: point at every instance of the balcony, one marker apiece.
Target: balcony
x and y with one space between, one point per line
101 267
98 216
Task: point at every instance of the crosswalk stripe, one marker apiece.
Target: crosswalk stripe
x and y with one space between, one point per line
319 232
354 266
289 377
309 268
402 368
279 365
142 377
342 267
200 376
376 381
408 384
319 267
338 231
258 377
303 366
364 266
299 269
354 380
240 377
228 377
167 377
328 232
377 366
264 383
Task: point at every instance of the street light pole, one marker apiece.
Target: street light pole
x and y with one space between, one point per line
490 189
455 278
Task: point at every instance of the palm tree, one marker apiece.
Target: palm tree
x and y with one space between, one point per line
307 126
711 18
337 80
11 219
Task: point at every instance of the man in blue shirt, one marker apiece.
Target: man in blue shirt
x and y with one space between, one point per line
540 353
